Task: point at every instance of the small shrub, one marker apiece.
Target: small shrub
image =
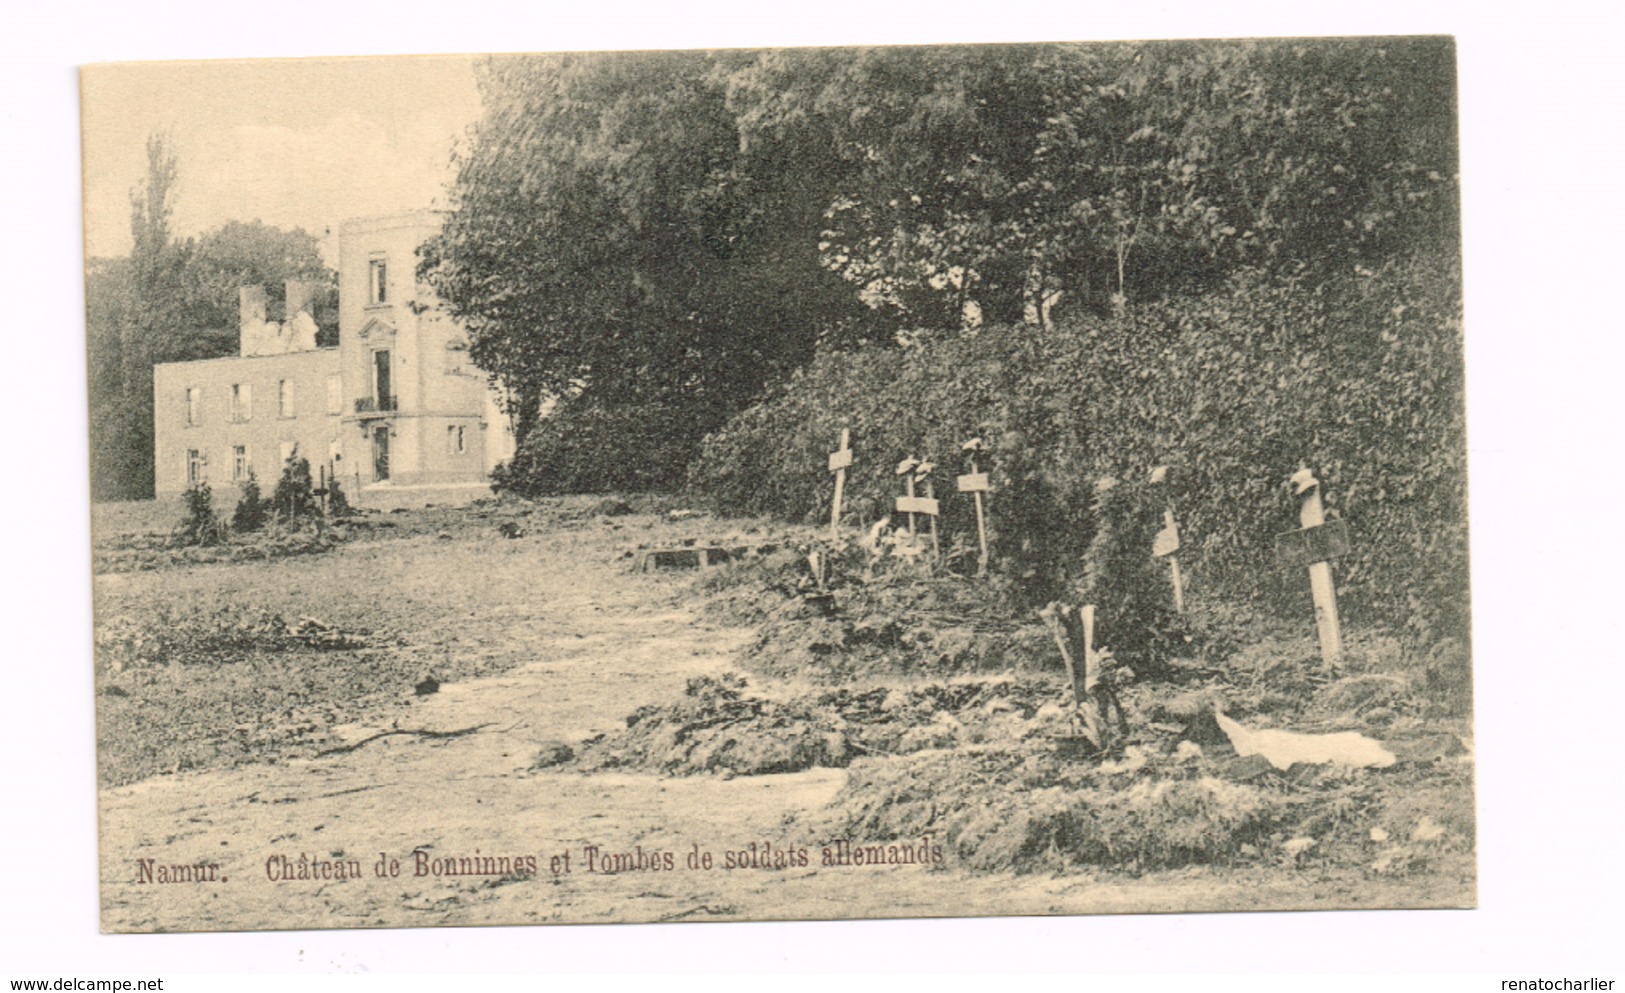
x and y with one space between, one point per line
1130 589
338 505
252 510
201 525
295 496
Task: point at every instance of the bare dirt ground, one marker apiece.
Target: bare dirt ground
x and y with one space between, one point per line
229 774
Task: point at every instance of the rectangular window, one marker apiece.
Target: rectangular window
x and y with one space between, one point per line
456 440
194 466
285 452
335 394
284 398
194 406
377 281
456 357
384 399
242 401
239 463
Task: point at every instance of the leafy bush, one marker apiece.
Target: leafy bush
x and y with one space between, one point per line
1131 590
1360 379
590 447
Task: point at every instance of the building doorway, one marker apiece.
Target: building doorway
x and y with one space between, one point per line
380 453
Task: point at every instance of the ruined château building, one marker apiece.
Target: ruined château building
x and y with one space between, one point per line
396 413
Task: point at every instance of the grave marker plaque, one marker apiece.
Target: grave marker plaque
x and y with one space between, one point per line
1306 546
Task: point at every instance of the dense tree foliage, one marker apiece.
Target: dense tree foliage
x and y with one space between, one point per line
687 227
173 301
1015 176
610 233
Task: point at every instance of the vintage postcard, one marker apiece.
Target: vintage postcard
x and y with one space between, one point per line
779 484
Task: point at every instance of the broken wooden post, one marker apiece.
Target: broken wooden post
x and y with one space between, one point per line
1094 698
1166 543
1058 617
975 483
838 461
905 469
1094 709
1315 545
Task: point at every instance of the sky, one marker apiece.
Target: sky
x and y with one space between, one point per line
304 143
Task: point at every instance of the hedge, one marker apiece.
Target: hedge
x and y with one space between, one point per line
1360 379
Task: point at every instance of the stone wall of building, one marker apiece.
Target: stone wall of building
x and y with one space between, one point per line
216 419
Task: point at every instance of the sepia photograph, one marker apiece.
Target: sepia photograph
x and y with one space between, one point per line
779 484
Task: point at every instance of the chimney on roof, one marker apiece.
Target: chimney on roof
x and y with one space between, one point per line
250 319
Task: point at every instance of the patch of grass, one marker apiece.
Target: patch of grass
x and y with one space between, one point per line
173 633
139 552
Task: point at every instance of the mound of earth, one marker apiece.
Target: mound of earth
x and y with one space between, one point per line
719 726
1031 807
859 626
1026 811
979 765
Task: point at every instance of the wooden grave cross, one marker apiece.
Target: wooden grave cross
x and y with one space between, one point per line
838 462
1315 544
912 504
975 483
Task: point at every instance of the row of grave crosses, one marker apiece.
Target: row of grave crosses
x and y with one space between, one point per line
1314 544
916 474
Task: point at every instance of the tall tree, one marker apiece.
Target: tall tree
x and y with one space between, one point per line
614 238
238 254
124 325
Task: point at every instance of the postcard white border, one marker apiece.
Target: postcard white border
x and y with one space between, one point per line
1540 85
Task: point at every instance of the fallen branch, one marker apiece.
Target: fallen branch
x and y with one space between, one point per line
385 734
703 908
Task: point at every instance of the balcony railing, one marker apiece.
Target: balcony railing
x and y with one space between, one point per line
376 405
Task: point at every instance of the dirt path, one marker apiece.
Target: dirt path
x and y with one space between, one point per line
599 642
